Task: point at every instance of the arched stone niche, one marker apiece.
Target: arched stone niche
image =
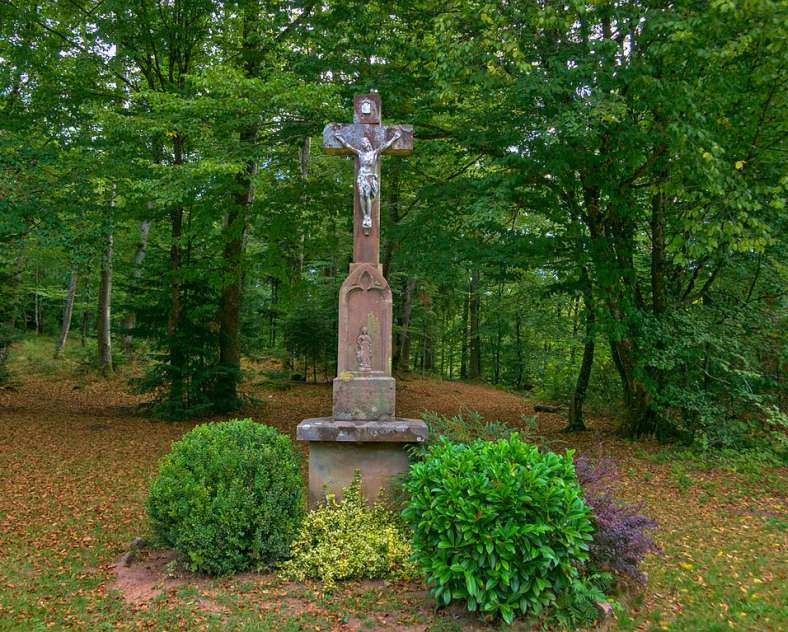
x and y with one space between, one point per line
364 323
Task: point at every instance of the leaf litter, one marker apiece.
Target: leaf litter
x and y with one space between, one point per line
74 465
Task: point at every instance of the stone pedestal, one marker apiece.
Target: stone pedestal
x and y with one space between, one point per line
363 398
339 448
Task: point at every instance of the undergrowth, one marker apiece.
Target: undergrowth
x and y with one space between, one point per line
350 539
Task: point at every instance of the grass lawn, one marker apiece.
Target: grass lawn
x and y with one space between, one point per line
75 457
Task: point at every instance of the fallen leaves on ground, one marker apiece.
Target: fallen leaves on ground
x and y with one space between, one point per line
75 464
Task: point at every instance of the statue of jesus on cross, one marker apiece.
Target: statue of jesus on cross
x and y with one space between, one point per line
367 139
367 178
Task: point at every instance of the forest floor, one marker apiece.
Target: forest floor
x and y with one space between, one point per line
75 456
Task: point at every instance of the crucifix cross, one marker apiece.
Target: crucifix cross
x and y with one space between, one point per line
367 139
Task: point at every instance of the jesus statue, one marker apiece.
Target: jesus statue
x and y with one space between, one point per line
367 178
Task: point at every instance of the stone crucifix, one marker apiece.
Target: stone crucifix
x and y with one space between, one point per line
367 139
363 434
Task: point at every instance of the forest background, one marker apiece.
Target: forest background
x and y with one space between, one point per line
595 208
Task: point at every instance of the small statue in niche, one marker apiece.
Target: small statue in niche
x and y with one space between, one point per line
364 350
367 179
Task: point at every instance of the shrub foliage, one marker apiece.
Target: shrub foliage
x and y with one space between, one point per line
620 540
498 525
228 496
465 427
348 539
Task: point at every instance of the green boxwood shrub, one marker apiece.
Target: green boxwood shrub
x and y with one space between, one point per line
228 497
348 539
499 525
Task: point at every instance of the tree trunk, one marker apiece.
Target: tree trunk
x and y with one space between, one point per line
177 358
139 257
519 344
236 224
498 342
611 251
443 344
428 357
272 312
36 307
67 314
658 256
659 298
104 312
392 204
464 338
498 337
303 158
575 316
84 328
575 420
12 290
475 367
226 395
640 417
403 355
9 283
174 317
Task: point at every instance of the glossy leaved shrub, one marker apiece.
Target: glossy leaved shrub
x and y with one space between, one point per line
349 539
228 497
500 526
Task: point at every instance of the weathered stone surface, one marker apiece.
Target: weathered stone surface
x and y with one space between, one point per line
606 615
364 397
364 302
398 430
332 466
339 448
376 134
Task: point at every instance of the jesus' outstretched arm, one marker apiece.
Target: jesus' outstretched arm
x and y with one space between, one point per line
389 142
346 144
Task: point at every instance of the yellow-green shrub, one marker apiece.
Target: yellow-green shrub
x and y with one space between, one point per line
348 539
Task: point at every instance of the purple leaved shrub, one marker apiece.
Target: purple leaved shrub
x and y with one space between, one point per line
620 541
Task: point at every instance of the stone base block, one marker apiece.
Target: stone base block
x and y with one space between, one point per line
337 448
361 398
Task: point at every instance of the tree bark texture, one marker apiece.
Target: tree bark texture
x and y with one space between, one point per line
230 300
36 307
475 365
402 348
612 256
84 328
575 417
130 321
393 205
519 349
68 312
236 225
177 358
464 337
104 313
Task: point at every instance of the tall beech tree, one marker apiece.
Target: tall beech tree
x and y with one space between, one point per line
614 112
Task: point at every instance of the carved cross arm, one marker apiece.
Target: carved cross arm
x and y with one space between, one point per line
354 133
